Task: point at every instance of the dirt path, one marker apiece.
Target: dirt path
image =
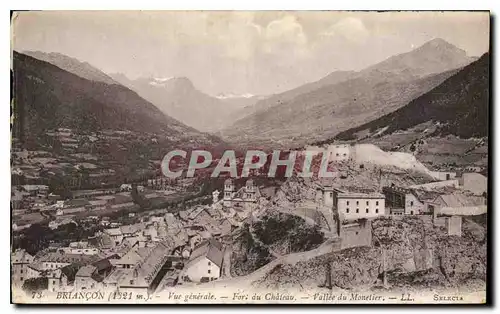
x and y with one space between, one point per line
328 246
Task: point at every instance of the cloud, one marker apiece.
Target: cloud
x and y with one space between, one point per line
284 36
350 28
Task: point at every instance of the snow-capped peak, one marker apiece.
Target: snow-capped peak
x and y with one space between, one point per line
230 95
160 81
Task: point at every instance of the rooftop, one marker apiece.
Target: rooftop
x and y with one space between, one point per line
86 271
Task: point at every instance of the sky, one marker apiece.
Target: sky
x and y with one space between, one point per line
240 52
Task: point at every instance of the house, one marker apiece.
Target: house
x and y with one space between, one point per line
397 198
59 259
70 211
133 257
474 182
115 234
19 227
20 260
353 206
148 272
84 278
97 205
457 204
62 279
37 190
54 224
80 248
205 262
126 187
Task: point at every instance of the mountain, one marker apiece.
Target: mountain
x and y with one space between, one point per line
342 100
459 106
179 98
72 65
435 56
47 97
277 99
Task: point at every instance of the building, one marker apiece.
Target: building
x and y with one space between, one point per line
84 278
132 258
37 190
62 279
20 261
246 197
205 262
59 259
56 223
444 175
402 201
457 204
147 273
353 206
474 182
339 152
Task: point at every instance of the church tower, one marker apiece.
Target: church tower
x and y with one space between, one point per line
250 190
228 191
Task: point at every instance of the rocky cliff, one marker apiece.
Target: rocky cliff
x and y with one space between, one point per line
417 255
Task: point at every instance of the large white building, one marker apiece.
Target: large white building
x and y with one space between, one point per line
351 206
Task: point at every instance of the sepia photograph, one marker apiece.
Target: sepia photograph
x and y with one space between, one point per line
249 157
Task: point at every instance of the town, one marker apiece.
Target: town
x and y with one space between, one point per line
111 238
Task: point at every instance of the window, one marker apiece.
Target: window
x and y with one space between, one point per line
367 203
357 232
376 210
367 210
337 154
347 202
376 203
357 210
21 278
21 271
411 212
411 203
331 194
209 271
347 210
357 202
53 282
131 282
209 263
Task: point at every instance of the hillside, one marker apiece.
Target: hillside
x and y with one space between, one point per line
350 98
179 98
72 65
48 97
459 105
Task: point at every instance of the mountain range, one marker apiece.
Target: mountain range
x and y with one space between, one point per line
344 99
48 97
179 98
55 90
459 105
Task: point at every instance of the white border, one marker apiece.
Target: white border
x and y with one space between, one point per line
197 5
